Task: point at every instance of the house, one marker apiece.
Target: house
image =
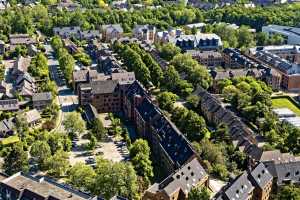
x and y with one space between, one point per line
253 184
32 117
111 31
7 127
76 32
284 167
178 184
25 85
67 5
21 39
23 186
41 100
291 35
145 32
21 66
67 32
9 105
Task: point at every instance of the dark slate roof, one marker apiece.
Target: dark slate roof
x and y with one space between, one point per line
184 179
240 188
42 96
239 58
135 88
7 125
102 87
173 141
260 176
148 110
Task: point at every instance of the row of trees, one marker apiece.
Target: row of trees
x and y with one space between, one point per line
66 60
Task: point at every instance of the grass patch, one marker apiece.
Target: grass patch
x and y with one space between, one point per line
9 140
285 103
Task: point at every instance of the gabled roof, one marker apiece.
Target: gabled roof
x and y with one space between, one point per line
42 96
29 187
260 176
240 188
184 179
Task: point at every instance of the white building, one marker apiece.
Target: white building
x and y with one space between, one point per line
290 34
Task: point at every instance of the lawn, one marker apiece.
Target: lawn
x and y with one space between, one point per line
285 103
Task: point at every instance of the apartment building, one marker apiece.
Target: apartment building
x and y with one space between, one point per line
289 71
235 59
105 93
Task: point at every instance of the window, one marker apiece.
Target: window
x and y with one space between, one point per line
288 174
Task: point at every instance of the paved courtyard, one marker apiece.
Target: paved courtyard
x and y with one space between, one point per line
115 151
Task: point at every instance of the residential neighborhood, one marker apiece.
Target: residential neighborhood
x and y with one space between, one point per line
151 100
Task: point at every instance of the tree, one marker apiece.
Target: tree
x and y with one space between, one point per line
82 176
197 193
115 179
92 144
58 164
168 51
41 151
16 160
57 43
39 66
289 192
98 129
140 155
74 124
193 101
166 100
245 37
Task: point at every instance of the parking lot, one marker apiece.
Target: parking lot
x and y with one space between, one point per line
109 149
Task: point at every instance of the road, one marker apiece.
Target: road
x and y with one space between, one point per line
68 101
